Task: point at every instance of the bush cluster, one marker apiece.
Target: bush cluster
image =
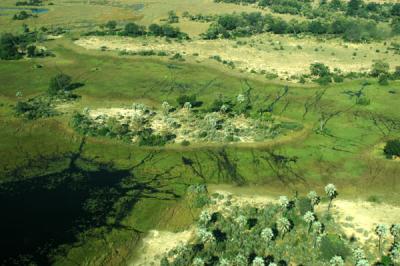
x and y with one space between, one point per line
247 24
134 30
29 3
38 107
325 9
14 47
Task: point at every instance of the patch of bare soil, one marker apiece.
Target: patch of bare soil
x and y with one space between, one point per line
157 243
359 218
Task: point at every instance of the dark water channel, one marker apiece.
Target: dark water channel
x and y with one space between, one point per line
43 212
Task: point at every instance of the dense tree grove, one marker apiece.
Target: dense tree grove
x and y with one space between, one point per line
134 30
15 46
358 8
246 24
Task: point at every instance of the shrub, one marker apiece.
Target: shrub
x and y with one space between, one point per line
155 140
185 143
192 99
133 29
35 108
59 83
22 15
363 101
319 69
333 245
392 148
383 79
324 80
379 67
304 205
9 47
172 17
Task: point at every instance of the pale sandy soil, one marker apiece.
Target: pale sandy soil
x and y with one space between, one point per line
364 216
157 243
260 53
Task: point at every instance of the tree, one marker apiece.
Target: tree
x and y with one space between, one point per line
283 225
172 17
258 261
360 258
133 29
267 235
309 218
318 229
336 261
165 108
392 148
395 231
284 203
379 67
395 24
383 79
9 47
111 25
59 83
395 10
320 70
381 231
31 51
336 4
155 29
331 192
395 253
314 199
354 6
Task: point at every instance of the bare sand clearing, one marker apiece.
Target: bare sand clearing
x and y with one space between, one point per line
359 218
157 243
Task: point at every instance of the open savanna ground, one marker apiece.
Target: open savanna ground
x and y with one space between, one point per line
261 53
101 171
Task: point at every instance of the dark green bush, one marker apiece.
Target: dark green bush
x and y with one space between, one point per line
392 148
38 107
59 83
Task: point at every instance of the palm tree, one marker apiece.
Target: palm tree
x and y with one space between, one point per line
331 192
318 229
165 108
309 217
381 231
198 262
258 261
284 202
267 235
395 231
395 253
362 262
224 262
283 225
336 261
240 260
314 199
360 258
